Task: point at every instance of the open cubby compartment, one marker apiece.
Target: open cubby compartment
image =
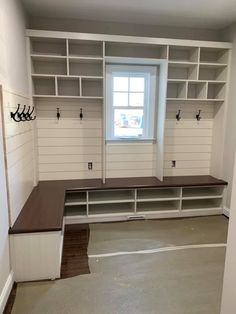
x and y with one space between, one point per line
197 90
202 204
214 55
212 72
68 86
92 87
182 71
155 194
112 208
185 54
177 90
203 192
78 210
85 48
85 67
157 206
116 49
48 46
75 198
216 91
55 66
44 86
110 196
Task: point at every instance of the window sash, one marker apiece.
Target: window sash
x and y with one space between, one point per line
149 74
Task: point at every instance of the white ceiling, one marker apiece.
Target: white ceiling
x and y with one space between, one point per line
213 14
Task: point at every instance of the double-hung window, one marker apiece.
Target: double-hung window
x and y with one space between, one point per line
130 101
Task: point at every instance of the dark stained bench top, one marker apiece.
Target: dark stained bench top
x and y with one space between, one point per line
44 209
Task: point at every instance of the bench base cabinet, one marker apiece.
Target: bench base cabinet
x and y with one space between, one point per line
142 203
36 256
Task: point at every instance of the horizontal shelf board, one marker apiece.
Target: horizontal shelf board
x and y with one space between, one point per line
194 99
61 96
139 212
85 58
202 209
210 65
158 199
88 77
202 197
182 63
47 57
195 81
74 203
110 214
115 201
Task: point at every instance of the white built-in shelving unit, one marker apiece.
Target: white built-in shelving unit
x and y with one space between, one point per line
67 68
123 204
191 75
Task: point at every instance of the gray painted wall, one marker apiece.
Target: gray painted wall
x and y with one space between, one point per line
86 26
229 34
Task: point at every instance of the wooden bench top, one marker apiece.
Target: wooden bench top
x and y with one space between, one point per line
44 209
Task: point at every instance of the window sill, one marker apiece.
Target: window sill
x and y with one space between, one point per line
132 140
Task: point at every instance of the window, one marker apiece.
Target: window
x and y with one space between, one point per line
130 101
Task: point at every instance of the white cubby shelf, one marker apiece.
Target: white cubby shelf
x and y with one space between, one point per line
97 205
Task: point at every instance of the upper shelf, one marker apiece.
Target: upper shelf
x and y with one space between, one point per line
75 67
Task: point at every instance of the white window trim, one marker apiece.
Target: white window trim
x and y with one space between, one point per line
148 115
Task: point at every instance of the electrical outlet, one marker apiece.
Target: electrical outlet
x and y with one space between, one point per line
90 165
173 163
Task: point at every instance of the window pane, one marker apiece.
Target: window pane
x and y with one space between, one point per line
136 99
137 84
128 122
120 99
120 84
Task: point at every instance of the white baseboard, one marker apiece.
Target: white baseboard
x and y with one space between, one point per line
226 211
6 291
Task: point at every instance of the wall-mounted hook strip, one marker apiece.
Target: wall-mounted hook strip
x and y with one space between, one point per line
178 116
198 116
58 114
81 115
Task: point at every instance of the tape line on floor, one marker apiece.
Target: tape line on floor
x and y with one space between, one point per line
160 250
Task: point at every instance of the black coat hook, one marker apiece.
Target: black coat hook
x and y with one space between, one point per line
58 113
81 115
198 116
21 114
15 115
178 117
30 114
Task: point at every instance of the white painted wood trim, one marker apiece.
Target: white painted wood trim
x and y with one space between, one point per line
226 211
6 291
127 39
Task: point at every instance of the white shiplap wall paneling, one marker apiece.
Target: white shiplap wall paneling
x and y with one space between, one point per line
19 139
66 146
188 141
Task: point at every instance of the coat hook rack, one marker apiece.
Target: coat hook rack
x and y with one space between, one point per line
198 116
22 116
81 115
58 113
178 116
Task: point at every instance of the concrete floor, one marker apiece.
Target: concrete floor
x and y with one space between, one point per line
174 282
